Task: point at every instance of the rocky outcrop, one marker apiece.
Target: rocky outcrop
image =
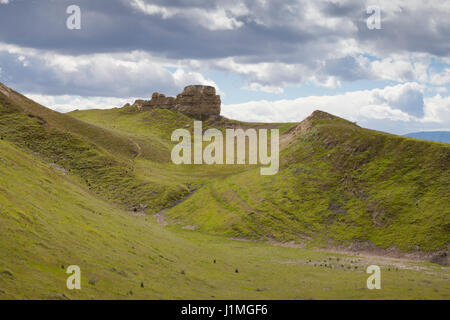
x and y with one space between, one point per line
200 102
197 101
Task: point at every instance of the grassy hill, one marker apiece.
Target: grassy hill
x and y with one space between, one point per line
81 188
100 158
48 222
338 184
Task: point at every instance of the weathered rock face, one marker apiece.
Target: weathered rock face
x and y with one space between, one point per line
198 101
160 101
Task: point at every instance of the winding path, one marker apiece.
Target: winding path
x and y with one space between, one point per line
160 218
139 149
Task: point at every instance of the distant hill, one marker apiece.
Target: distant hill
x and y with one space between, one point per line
439 136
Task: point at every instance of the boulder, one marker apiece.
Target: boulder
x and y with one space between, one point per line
199 102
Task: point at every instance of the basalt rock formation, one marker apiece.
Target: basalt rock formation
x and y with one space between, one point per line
197 101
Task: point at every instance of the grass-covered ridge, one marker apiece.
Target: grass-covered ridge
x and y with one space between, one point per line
100 158
338 184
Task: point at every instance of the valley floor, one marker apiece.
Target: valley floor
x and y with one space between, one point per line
191 265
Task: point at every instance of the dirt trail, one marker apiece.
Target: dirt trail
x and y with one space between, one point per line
139 149
160 218
378 255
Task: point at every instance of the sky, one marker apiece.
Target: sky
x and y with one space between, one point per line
383 64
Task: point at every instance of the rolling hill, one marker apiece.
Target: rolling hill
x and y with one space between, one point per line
338 184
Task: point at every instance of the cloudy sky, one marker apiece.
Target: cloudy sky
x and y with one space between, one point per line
271 60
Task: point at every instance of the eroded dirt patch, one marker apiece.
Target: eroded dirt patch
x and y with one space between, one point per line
160 218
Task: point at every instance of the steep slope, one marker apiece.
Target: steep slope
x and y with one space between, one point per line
121 155
101 158
108 140
338 184
154 128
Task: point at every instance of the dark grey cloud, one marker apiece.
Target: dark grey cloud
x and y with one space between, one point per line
411 102
347 69
340 9
411 28
116 25
322 38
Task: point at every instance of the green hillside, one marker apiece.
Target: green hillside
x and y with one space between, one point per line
48 222
338 184
82 189
102 159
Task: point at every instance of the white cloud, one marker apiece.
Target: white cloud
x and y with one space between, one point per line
110 74
272 77
442 90
258 87
392 69
383 112
369 107
223 18
67 103
183 78
329 72
442 78
437 109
